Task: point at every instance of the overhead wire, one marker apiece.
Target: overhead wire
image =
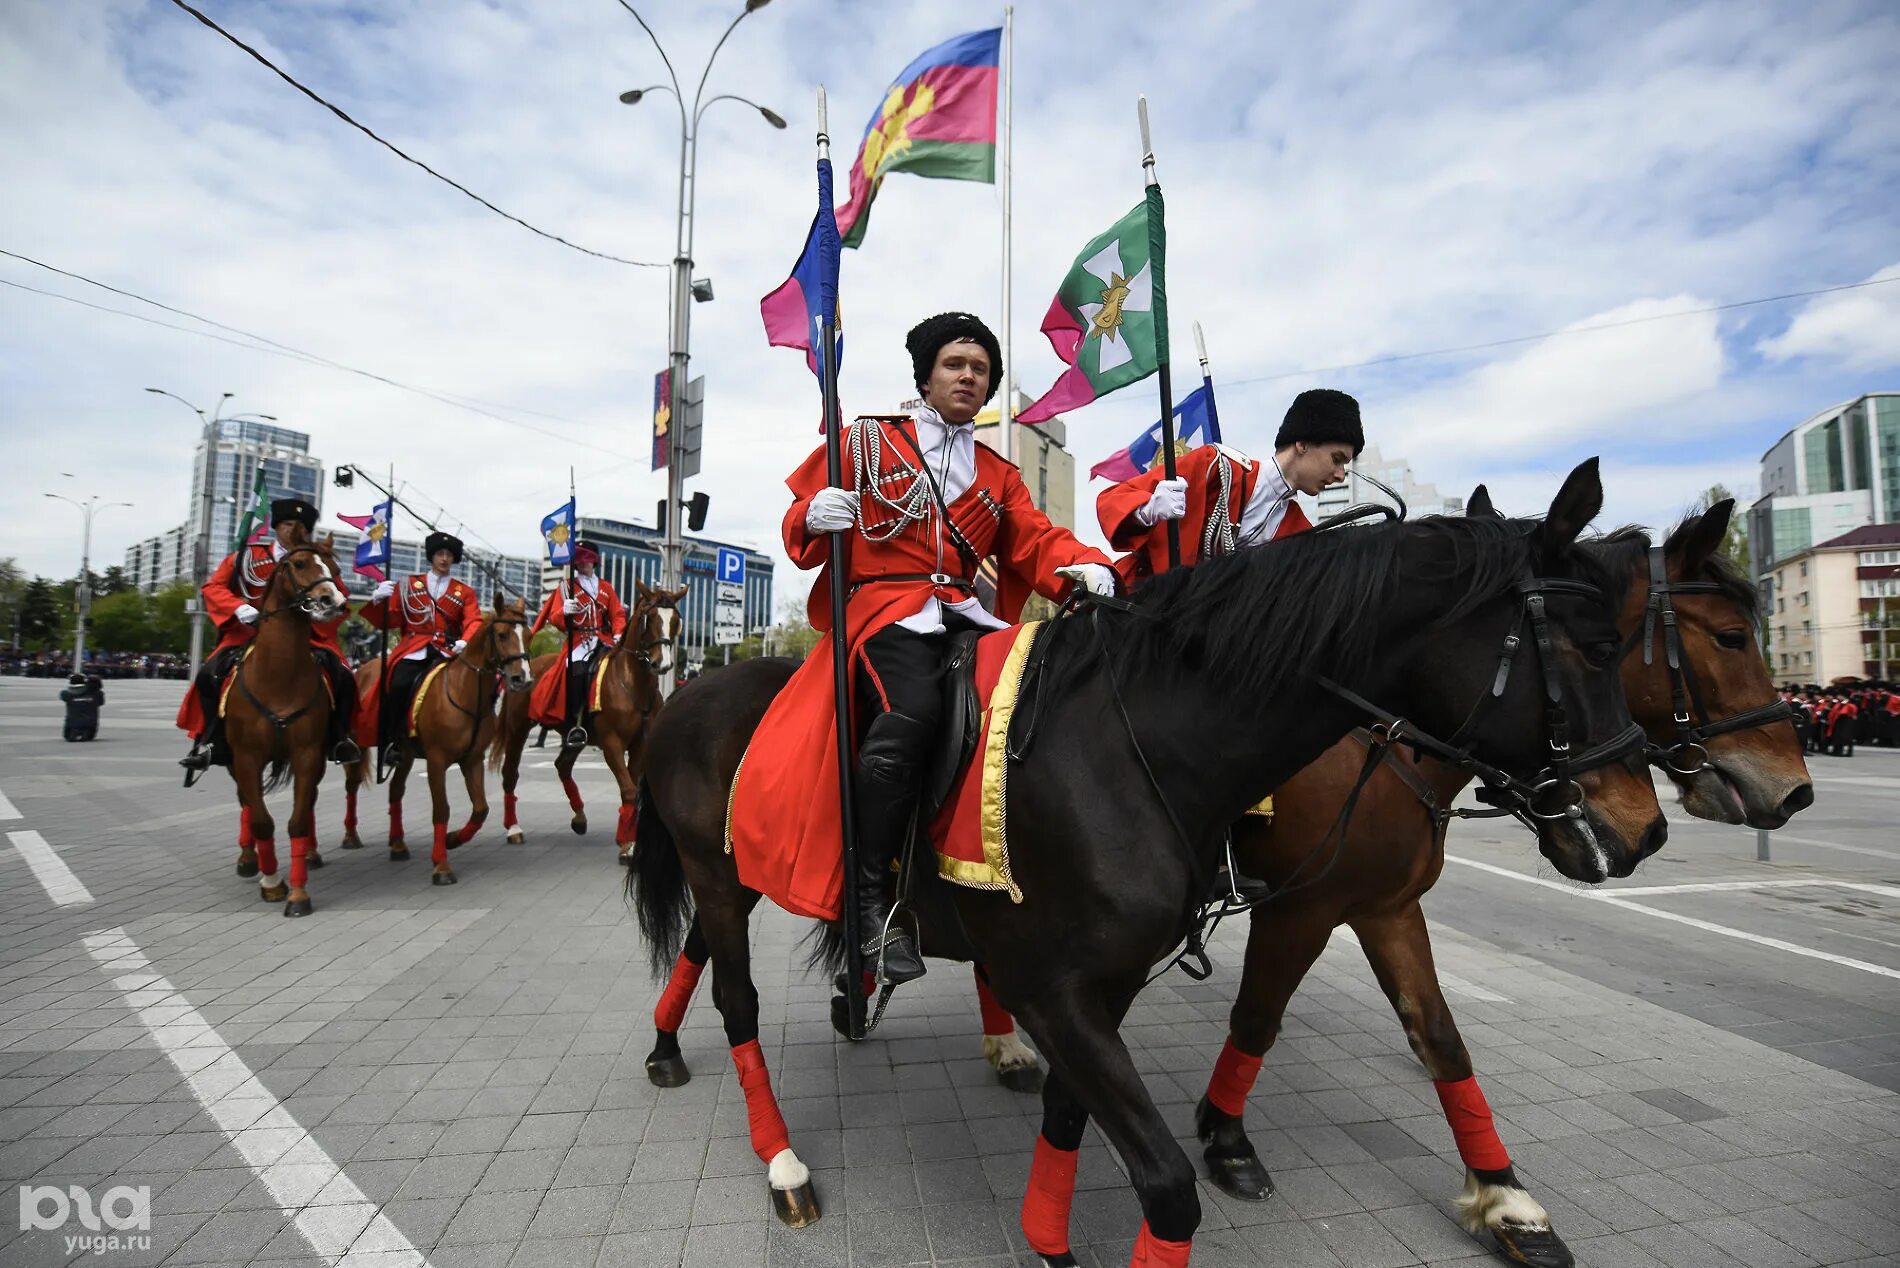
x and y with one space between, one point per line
340 113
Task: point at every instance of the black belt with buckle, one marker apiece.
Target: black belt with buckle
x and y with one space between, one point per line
934 578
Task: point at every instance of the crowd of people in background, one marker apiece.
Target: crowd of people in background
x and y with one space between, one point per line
103 665
1832 720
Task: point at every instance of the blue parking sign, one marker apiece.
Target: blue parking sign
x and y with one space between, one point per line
731 566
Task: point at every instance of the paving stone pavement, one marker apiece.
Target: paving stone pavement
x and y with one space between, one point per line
470 1059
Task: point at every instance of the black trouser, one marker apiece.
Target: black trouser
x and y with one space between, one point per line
899 686
580 674
210 681
342 693
399 692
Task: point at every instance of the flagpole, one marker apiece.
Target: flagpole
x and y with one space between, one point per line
567 622
1156 260
838 574
1007 416
1207 382
382 652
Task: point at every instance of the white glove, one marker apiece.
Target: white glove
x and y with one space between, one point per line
831 511
1167 502
460 643
382 591
573 607
248 614
1095 578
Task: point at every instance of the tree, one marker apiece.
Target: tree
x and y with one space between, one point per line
39 612
122 622
114 581
169 625
1734 547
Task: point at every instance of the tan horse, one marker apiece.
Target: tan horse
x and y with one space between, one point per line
277 714
454 725
629 692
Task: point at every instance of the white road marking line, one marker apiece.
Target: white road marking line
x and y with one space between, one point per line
335 1217
7 810
1706 926
1833 845
1865 781
1710 887
50 870
1450 981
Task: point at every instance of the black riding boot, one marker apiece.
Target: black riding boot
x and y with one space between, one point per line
204 748
890 763
341 743
574 722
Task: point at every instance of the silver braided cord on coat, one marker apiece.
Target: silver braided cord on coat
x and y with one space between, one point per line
1218 537
865 445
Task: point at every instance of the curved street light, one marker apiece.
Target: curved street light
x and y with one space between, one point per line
82 589
684 291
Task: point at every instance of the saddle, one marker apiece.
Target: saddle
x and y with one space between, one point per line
962 724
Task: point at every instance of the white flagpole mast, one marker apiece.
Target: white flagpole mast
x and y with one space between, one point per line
1006 418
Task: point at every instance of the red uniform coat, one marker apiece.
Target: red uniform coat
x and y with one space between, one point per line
420 620
223 594
602 615
784 820
1148 544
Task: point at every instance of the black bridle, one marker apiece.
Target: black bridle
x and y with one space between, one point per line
1689 755
300 599
1553 792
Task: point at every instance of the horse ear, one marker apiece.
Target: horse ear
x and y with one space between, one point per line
1576 504
1700 536
1478 506
329 541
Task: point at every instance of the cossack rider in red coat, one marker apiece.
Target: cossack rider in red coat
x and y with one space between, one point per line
589 610
433 614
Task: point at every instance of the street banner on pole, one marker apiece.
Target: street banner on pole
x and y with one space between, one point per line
662 416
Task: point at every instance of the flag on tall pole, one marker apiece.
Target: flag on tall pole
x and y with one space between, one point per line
372 550
257 514
1195 414
1157 261
795 313
938 118
1207 385
557 531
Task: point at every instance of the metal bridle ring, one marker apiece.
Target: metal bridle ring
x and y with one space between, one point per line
1672 754
1571 806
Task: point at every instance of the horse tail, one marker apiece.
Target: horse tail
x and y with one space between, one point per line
656 886
277 772
498 745
825 947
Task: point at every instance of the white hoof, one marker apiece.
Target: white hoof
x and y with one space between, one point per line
267 880
1008 1052
516 836
1484 1207
787 1172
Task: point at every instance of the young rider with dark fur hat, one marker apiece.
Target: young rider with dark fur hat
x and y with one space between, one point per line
433 613
924 505
230 599
1227 501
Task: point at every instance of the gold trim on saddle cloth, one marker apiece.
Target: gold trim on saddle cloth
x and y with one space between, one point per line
224 696
732 797
1264 809
415 706
993 872
599 670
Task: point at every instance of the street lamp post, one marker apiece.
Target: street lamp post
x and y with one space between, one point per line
82 591
672 546
201 536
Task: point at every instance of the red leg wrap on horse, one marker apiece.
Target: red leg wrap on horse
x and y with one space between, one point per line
300 849
1047 1200
267 855
573 794
1233 1078
1470 1118
769 1137
1155 1252
245 839
508 811
466 833
671 1010
349 811
395 821
623 832
440 853
996 1018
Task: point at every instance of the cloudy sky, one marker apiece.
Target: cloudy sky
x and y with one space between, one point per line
1346 182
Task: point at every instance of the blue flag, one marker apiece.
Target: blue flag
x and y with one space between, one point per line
794 313
373 550
557 530
1193 417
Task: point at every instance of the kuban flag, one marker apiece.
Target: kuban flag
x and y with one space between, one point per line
1108 319
938 118
372 549
795 313
257 515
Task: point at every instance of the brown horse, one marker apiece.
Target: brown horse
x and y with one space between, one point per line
455 723
277 714
629 690
1393 852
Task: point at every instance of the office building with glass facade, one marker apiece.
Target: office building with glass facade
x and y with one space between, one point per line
1837 471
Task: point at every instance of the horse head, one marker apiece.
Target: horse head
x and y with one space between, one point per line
305 580
655 624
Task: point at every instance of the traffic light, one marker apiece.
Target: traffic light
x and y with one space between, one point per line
696 512
659 517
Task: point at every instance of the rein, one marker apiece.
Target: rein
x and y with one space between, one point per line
298 602
1689 755
484 675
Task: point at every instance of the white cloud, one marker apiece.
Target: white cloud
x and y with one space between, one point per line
1858 329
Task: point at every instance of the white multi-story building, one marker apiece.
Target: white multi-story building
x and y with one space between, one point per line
1420 499
1837 471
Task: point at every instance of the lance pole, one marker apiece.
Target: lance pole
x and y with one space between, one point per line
1157 271
389 611
1207 382
837 566
568 590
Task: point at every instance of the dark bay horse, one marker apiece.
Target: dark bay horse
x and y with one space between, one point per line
1393 852
1152 736
629 677
276 716
455 724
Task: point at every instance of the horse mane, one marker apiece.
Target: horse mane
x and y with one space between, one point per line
1272 617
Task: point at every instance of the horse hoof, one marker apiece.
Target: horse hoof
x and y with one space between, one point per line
579 825
1061 1259
626 858
247 870
442 878
1026 1079
1538 1247
299 907
398 854
1240 1176
796 1207
313 860
669 1072
273 893
352 842
516 836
